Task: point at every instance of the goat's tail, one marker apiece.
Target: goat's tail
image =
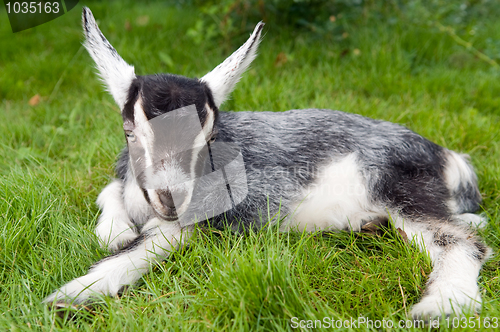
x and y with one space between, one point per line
461 181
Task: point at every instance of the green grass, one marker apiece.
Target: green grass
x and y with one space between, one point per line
57 156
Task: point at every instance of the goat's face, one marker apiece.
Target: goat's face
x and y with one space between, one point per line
167 119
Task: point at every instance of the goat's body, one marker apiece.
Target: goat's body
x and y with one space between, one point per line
327 169
291 156
315 169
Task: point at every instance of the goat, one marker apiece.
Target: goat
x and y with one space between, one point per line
352 171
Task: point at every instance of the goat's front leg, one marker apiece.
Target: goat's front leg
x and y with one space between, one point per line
114 227
108 276
457 256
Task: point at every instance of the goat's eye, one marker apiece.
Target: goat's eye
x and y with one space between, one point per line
130 136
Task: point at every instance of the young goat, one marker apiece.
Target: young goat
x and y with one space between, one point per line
323 169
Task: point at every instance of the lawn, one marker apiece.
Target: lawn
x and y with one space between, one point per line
62 132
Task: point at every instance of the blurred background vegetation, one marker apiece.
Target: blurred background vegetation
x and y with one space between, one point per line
462 20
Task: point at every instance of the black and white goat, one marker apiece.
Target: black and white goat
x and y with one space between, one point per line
323 169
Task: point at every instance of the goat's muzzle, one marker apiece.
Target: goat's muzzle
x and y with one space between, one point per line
171 203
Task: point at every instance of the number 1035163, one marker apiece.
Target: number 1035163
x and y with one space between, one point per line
32 7
472 322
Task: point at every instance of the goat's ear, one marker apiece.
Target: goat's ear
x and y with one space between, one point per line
115 72
224 77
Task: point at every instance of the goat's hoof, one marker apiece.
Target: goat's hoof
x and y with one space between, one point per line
68 310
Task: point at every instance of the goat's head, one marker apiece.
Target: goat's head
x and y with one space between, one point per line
167 119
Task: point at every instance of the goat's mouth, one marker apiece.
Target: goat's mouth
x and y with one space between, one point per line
162 213
162 202
170 218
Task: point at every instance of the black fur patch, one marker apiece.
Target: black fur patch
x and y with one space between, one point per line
163 93
468 197
413 180
129 247
133 95
480 254
134 244
146 196
121 167
442 239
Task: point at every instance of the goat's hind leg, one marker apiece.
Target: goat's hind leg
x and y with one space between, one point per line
457 256
471 219
114 227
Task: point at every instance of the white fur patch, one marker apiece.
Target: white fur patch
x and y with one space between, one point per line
114 228
338 199
457 171
144 133
471 219
448 298
138 209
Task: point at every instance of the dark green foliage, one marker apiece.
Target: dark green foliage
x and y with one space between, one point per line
233 18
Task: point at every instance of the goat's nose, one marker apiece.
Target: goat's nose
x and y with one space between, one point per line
166 198
172 199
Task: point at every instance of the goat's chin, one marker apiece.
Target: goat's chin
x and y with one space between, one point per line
170 218
161 213
164 216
